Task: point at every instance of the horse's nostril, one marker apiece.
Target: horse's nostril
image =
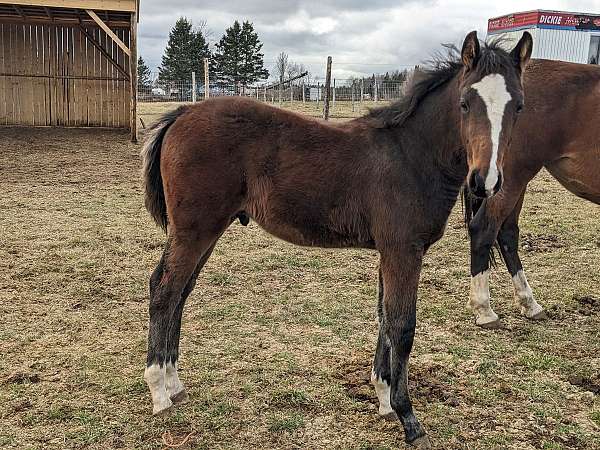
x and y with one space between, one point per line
477 184
498 185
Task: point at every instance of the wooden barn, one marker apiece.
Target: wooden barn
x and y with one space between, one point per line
70 63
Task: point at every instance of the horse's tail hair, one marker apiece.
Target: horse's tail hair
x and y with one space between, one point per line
153 183
470 206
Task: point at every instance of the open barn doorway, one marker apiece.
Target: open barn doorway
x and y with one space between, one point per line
68 63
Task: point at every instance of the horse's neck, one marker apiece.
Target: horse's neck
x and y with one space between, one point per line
435 128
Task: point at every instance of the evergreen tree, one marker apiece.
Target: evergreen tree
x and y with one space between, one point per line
144 74
185 52
237 57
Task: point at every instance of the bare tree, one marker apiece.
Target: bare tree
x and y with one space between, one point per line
281 66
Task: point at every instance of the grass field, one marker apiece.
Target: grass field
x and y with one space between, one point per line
277 340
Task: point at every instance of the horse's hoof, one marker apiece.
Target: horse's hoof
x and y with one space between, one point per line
539 316
162 410
494 325
390 417
421 442
180 398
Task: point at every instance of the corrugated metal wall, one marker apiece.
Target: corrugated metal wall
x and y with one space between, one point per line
53 75
564 45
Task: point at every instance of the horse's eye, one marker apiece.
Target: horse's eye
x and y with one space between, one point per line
464 106
519 108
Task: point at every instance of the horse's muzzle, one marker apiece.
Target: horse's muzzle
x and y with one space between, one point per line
476 185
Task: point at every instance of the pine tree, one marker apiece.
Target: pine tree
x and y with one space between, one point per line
144 74
185 52
237 57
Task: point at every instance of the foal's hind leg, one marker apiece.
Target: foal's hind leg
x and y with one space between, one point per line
380 373
166 287
508 240
175 389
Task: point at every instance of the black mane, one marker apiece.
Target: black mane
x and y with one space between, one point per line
438 71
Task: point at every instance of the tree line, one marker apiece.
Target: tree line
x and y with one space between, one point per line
235 59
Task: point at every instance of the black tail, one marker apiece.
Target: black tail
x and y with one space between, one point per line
155 195
471 206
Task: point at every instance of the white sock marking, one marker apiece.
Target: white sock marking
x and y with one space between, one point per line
524 295
155 378
479 299
172 383
493 92
383 391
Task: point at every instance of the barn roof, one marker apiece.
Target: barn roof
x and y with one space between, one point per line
115 13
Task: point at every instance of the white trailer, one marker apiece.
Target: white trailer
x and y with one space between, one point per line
558 35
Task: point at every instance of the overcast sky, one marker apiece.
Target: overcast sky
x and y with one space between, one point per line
362 36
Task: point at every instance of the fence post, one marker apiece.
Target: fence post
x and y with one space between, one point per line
362 89
291 93
334 93
206 80
303 92
327 88
265 94
318 93
376 91
352 96
193 87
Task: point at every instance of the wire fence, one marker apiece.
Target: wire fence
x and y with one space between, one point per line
348 97
356 89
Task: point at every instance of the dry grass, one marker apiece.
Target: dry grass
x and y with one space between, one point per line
277 340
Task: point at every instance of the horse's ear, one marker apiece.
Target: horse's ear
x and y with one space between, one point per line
522 51
470 50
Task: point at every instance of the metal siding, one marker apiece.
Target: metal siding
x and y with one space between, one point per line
564 45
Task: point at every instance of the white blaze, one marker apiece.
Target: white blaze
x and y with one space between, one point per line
493 92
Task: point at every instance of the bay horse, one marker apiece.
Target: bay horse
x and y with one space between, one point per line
385 181
559 130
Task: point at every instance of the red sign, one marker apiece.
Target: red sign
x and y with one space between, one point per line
544 19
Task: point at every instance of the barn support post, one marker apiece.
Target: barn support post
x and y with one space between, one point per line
133 76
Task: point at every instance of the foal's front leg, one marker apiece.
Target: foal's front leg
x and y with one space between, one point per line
400 269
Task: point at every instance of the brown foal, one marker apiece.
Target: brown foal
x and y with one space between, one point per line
559 130
385 181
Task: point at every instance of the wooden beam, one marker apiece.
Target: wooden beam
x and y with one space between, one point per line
133 77
108 31
19 11
99 5
63 22
103 51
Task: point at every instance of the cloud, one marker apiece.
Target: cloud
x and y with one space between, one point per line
362 36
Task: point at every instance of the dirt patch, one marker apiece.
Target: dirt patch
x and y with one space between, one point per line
540 243
591 384
22 377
